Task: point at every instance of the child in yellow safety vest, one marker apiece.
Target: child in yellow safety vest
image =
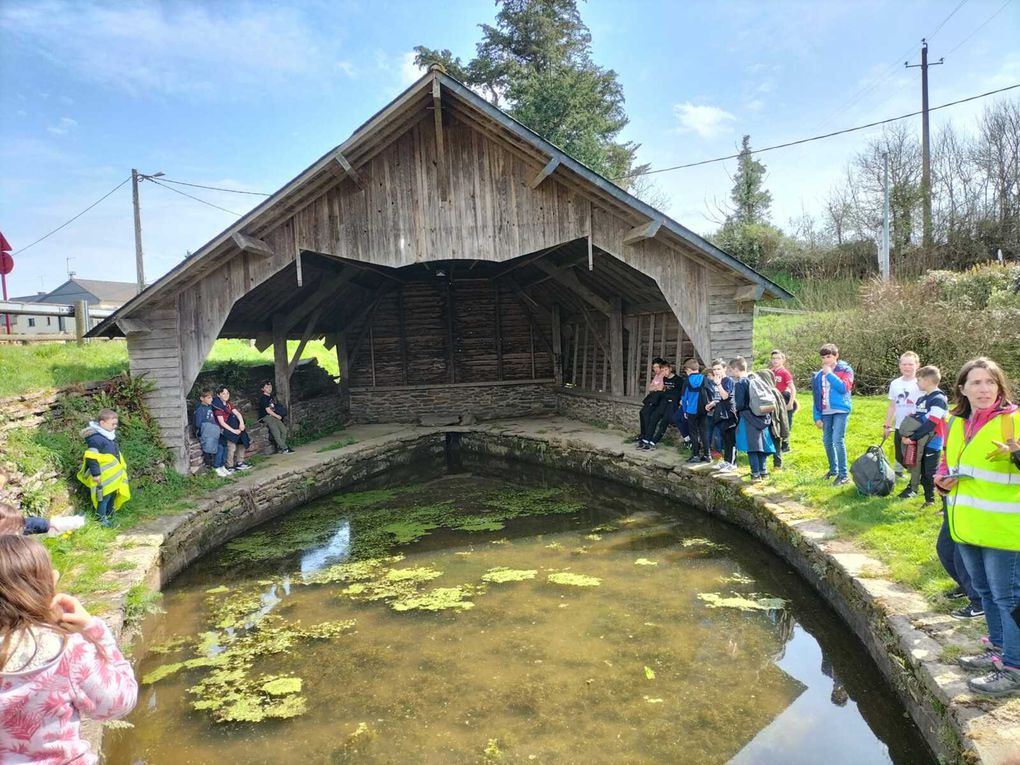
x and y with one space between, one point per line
103 469
980 476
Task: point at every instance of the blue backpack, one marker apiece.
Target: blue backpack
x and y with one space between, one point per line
694 393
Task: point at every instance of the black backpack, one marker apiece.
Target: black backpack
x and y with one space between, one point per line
873 475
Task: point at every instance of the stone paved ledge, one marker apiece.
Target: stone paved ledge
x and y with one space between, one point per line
905 638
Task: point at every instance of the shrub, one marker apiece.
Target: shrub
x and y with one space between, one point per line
946 318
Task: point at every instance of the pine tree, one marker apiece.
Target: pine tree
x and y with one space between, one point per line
536 63
751 200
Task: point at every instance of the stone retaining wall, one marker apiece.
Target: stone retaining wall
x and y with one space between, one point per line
602 409
484 402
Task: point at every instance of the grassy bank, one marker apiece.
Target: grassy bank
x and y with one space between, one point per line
50 365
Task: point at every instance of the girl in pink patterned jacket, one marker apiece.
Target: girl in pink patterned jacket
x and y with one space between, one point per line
57 663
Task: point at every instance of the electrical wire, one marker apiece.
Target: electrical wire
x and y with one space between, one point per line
819 137
980 27
215 188
947 18
72 220
189 196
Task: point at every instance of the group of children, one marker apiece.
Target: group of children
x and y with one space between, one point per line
220 428
723 409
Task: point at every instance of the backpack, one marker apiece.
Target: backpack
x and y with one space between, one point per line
759 396
695 395
873 475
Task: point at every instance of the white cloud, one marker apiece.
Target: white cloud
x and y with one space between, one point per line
65 126
148 47
754 105
347 68
706 121
409 71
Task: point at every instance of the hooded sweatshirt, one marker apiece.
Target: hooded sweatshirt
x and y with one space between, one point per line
831 392
49 682
103 441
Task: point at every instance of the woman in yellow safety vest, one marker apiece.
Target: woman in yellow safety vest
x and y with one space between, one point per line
103 469
980 477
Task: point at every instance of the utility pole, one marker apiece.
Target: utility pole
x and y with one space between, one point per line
139 258
925 143
884 259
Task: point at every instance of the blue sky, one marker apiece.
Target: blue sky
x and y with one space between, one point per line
246 95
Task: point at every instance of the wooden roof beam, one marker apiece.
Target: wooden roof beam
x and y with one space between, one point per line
437 111
342 168
569 279
326 290
252 245
749 294
544 173
642 232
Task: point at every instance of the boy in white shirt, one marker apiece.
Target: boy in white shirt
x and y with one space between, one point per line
903 396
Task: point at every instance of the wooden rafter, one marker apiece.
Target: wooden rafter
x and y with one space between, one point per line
437 108
642 232
325 291
343 166
568 278
524 299
252 245
545 172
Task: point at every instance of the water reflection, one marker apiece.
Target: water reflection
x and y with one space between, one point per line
639 669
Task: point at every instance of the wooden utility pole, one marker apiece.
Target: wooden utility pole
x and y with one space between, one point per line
139 259
925 144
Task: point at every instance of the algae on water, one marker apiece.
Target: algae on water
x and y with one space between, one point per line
716 600
574 580
500 575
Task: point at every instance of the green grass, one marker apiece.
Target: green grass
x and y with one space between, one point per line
337 445
818 294
49 365
898 532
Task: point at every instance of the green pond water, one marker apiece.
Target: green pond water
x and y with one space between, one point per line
521 617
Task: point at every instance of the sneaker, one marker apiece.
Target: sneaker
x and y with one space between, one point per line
928 503
786 450
956 592
841 481
243 466
705 458
764 474
1001 681
969 611
288 450
693 458
907 493
756 478
222 472
651 446
983 662
828 476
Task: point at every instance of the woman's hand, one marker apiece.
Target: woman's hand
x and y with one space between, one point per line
945 483
69 610
818 424
1005 449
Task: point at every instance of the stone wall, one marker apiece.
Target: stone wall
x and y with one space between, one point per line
602 409
29 409
482 402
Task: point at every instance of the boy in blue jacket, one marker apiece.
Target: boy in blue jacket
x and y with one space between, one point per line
831 389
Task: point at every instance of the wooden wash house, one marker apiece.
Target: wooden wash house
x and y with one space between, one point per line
456 261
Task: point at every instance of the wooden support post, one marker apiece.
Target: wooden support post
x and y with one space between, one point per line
81 320
575 339
349 171
632 324
297 266
557 343
403 336
616 346
499 333
584 359
642 232
305 337
343 364
651 342
281 365
371 350
437 108
252 245
451 371
591 256
531 345
524 299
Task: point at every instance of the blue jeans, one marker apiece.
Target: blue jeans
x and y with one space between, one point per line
105 507
995 575
834 438
757 462
221 454
951 560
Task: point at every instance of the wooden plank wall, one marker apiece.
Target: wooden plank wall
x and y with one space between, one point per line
654 334
157 355
484 350
399 218
731 323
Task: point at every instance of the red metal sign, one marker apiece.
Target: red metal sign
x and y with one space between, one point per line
6 263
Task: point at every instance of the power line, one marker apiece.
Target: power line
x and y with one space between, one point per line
981 26
947 18
189 196
216 188
820 137
867 88
72 220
